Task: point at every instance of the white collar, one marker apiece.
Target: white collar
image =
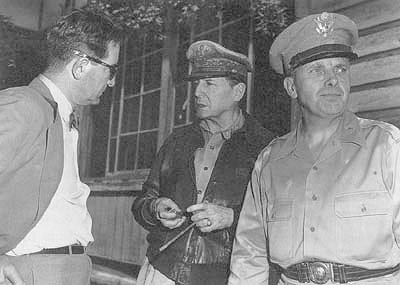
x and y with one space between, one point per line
64 106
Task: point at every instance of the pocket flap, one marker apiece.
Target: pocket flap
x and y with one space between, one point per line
362 204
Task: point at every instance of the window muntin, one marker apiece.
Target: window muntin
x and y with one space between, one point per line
135 111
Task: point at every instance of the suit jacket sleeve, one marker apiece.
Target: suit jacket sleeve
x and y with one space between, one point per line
17 121
249 259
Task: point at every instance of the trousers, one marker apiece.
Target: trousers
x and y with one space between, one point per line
53 269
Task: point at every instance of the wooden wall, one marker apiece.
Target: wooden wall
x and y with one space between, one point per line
375 76
117 235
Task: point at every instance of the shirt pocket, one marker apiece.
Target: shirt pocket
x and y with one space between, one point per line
363 225
280 230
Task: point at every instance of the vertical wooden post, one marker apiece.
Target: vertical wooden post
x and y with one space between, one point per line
41 11
167 93
250 76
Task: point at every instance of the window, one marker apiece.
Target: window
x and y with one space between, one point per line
135 107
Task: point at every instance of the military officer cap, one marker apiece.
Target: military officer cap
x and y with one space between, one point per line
210 60
311 38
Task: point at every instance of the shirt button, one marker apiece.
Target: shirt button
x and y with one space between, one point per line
315 168
199 192
205 168
314 197
312 229
212 147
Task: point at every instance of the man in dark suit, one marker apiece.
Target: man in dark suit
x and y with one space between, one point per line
45 225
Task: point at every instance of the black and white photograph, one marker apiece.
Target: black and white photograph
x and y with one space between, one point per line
199 142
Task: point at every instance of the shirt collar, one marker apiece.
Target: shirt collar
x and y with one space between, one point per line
226 133
349 131
64 106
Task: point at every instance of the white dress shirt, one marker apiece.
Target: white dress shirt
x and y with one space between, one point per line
66 221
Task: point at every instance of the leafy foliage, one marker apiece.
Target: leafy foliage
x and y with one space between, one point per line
7 39
21 54
271 15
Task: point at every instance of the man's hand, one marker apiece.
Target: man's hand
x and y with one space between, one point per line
8 273
168 213
210 217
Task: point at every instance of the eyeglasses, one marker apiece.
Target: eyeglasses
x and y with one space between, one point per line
113 68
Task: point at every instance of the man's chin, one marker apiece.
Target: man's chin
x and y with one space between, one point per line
332 108
201 114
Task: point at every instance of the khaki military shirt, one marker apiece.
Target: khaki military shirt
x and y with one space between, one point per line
341 207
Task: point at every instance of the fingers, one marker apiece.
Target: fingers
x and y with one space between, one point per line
203 216
205 225
168 213
197 207
173 223
166 208
202 211
10 275
2 277
209 217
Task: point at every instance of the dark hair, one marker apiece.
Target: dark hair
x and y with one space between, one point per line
234 80
88 31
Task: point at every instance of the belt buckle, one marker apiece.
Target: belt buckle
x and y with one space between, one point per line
319 272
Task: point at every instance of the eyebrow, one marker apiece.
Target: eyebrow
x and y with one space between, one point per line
314 64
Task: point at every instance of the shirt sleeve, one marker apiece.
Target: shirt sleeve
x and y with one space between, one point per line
249 260
391 175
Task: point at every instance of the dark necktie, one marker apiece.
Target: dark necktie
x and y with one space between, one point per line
74 120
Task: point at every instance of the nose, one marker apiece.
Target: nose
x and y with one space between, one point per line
198 89
111 82
331 79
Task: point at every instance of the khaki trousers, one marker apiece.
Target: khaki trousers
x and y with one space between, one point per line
53 269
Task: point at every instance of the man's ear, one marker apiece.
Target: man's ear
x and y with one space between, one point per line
79 68
238 91
290 87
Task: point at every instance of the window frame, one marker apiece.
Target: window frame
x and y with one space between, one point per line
121 101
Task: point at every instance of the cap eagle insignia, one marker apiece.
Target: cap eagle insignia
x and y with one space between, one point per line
324 24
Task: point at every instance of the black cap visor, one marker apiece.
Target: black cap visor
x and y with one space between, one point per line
215 74
320 52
